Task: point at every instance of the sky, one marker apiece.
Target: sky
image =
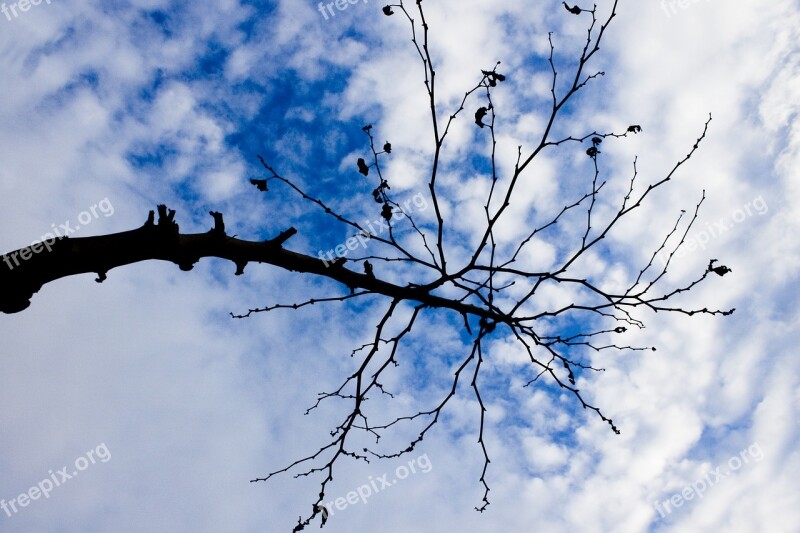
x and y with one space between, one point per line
140 404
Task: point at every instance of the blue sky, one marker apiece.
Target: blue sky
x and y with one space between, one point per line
172 406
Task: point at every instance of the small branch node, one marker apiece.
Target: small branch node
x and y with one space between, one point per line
219 224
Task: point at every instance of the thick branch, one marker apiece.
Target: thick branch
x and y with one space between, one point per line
25 271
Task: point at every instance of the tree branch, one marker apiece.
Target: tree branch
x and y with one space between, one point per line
21 278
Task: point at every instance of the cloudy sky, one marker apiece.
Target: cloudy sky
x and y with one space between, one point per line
161 408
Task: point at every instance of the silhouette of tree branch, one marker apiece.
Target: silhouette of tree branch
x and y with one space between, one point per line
162 241
493 291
